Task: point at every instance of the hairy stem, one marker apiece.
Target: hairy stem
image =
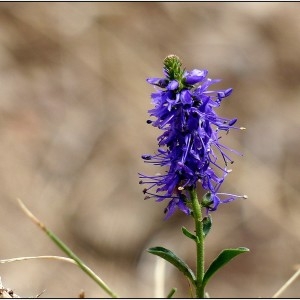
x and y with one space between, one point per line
197 214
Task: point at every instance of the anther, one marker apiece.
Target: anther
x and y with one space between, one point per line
232 122
146 157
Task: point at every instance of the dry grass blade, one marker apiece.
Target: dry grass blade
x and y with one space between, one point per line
66 259
287 284
68 251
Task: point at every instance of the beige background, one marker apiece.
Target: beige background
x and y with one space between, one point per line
73 105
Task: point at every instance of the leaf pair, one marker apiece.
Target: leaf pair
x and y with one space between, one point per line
223 258
207 223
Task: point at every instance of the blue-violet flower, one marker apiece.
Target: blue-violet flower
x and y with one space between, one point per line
184 109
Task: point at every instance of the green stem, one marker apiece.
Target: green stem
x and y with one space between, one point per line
80 263
197 214
172 292
68 251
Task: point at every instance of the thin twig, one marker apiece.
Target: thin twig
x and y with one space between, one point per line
287 284
31 216
68 251
66 259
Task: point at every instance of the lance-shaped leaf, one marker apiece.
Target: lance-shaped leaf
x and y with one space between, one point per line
190 235
207 223
224 257
169 256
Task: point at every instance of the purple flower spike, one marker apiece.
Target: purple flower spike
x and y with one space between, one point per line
189 146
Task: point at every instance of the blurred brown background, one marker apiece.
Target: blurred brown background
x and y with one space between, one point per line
73 105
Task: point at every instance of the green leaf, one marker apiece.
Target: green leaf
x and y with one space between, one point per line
172 292
207 223
224 257
190 235
169 256
206 200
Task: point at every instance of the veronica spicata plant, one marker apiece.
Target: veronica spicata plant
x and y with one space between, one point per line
191 152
